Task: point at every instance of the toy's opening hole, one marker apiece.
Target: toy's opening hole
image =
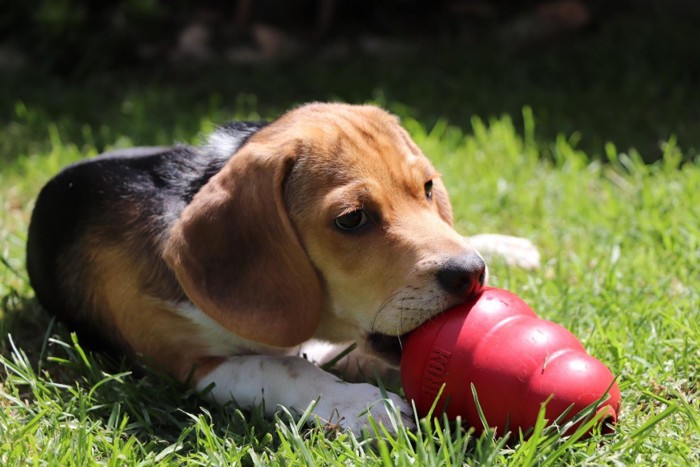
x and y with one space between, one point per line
607 426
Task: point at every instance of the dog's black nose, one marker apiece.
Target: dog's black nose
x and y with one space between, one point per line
464 275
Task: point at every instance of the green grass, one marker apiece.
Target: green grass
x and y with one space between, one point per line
620 241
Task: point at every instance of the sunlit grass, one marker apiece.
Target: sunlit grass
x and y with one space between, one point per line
620 243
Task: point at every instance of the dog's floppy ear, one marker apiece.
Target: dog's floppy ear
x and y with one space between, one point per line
237 256
442 199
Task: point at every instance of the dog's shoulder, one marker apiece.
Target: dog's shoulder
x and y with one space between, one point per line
227 138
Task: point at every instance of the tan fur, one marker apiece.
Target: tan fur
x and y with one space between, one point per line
145 325
237 256
363 158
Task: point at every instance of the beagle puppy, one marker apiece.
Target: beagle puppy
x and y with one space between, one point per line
224 264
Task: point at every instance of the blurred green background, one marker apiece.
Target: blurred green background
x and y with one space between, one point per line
596 71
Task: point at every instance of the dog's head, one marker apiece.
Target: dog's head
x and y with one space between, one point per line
327 223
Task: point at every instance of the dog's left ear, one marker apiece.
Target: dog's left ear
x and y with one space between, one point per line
237 256
442 199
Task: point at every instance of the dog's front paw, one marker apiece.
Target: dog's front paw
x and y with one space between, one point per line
515 251
351 407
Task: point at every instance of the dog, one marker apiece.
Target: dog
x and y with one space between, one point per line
241 265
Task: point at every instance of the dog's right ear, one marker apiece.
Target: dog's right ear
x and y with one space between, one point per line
237 256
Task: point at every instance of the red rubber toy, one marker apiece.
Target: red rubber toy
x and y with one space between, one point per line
515 360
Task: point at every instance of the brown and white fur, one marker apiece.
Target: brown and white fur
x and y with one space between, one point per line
229 262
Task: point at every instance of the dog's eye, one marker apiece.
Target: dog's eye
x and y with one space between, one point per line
352 220
428 189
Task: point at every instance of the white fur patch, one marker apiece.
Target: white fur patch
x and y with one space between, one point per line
295 383
515 251
221 341
222 143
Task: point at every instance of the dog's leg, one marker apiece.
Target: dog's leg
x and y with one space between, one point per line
515 251
294 383
356 366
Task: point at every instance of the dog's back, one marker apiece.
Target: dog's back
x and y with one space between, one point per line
126 197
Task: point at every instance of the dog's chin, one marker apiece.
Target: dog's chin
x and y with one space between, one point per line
388 348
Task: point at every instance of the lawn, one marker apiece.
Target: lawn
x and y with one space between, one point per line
550 146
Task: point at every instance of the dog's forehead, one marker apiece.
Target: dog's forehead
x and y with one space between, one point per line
353 149
358 144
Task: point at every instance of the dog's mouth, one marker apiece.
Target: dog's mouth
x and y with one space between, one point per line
387 347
